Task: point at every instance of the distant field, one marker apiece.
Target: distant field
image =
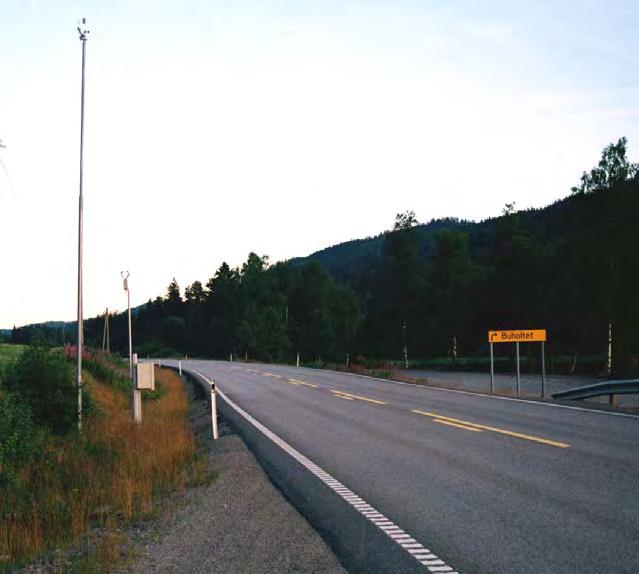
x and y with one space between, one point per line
9 352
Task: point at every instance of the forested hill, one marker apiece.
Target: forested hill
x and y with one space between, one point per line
426 291
348 261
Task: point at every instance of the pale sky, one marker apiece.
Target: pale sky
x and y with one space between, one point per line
218 128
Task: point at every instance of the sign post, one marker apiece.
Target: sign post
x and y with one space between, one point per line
492 370
518 373
523 336
543 369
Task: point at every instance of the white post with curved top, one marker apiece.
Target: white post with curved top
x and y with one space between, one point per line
213 411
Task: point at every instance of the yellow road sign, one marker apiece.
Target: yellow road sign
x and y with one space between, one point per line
526 336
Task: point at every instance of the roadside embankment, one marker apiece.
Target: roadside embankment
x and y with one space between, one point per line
66 506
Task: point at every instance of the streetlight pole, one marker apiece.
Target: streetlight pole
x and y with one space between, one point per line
136 396
83 38
125 276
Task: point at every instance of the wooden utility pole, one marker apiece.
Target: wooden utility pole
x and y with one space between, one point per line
106 346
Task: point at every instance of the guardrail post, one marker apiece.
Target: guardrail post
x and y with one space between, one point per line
213 411
611 399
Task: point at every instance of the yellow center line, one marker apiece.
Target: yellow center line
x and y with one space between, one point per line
456 425
290 382
494 429
296 382
358 397
345 398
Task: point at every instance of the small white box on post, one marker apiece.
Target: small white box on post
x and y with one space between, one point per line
145 377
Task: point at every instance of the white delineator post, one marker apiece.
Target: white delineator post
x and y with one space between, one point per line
405 346
213 411
180 367
297 364
136 403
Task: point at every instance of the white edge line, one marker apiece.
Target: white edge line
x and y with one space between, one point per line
308 464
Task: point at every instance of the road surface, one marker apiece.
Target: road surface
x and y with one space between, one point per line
484 484
530 385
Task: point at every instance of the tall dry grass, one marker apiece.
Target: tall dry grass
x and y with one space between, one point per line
108 475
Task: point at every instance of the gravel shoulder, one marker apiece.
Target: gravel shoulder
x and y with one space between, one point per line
238 523
505 385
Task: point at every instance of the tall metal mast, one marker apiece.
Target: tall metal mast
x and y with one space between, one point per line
83 38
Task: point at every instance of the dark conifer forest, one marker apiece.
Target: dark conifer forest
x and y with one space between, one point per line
434 289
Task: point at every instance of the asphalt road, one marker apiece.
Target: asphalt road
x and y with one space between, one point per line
486 484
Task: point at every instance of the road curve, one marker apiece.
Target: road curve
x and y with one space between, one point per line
472 483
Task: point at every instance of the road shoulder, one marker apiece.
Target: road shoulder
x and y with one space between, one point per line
238 523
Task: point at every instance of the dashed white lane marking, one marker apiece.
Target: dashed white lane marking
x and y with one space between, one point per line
415 549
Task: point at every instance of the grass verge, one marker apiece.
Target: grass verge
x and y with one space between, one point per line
106 477
9 353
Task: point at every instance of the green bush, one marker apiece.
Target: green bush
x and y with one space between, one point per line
20 439
44 380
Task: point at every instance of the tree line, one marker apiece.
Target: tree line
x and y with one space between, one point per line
423 291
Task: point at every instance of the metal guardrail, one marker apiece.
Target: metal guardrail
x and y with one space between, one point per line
610 388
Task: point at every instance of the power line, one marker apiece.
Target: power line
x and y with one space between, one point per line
4 168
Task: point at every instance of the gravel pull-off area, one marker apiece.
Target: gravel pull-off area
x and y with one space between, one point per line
239 523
